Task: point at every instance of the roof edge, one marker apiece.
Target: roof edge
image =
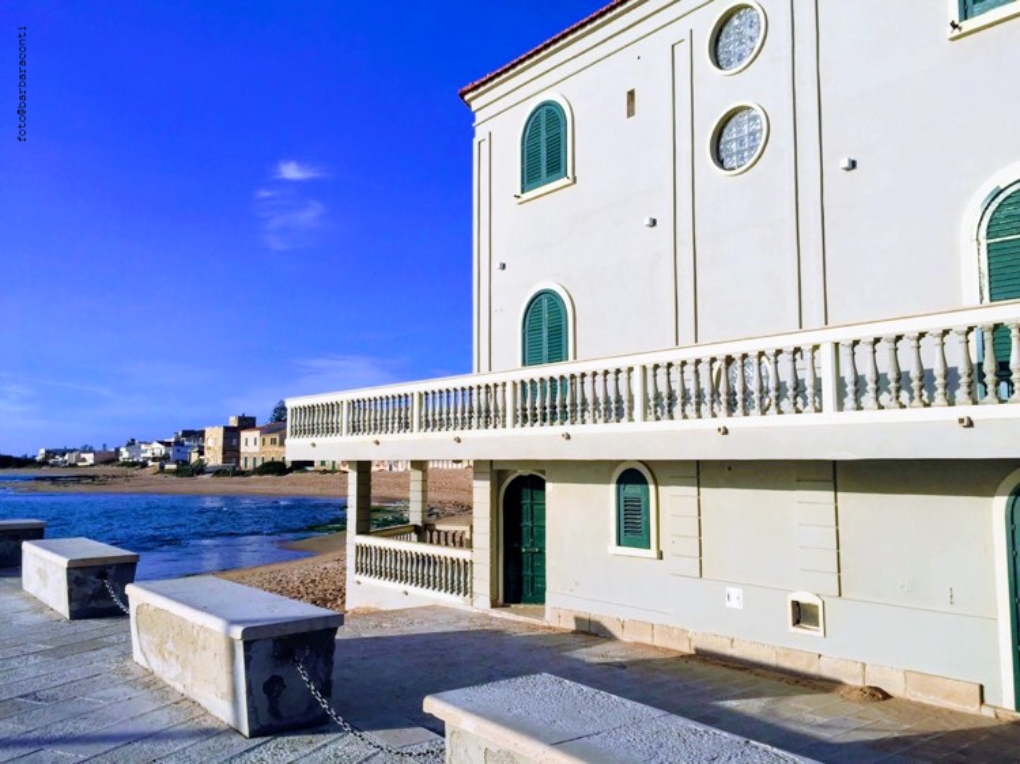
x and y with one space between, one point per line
540 48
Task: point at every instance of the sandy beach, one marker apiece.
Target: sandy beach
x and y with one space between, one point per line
319 578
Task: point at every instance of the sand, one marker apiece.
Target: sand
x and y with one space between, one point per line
319 578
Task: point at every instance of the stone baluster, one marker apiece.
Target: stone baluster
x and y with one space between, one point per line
582 398
681 391
965 390
916 371
1014 362
652 387
757 404
594 397
668 401
773 368
810 379
740 385
990 367
695 389
870 402
849 376
792 385
722 364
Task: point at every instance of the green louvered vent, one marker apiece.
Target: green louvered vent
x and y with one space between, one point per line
971 8
633 528
1003 246
545 330
544 148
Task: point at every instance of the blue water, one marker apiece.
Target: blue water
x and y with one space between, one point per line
179 535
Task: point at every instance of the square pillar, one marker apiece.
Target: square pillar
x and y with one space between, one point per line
359 517
418 509
359 498
485 537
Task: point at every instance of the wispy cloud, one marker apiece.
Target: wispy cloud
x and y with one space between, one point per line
288 169
290 218
289 221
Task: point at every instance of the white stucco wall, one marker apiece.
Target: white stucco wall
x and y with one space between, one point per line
908 533
794 241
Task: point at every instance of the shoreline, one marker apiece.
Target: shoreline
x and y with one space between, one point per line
319 578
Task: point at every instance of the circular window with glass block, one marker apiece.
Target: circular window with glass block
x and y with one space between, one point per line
737 38
739 138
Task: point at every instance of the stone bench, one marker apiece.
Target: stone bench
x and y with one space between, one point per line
12 533
543 718
231 647
70 575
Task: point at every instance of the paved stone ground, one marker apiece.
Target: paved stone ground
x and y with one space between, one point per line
69 691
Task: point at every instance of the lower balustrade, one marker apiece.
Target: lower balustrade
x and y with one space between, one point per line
424 568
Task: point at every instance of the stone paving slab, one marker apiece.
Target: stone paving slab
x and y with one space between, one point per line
79 703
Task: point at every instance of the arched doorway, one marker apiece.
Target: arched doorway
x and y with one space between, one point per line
1013 575
524 541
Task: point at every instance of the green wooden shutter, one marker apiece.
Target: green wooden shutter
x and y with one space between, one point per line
971 8
633 525
544 146
545 330
1003 248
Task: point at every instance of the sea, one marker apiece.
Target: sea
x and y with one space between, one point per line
180 535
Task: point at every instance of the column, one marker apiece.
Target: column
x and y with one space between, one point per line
418 509
484 538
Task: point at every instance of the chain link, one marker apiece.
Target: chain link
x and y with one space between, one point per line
434 749
116 600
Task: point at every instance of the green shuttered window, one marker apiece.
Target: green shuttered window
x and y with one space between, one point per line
1002 242
545 330
971 8
544 146
633 510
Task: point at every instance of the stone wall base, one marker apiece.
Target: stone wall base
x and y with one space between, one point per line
913 685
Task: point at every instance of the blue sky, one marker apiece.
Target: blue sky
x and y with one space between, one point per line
221 204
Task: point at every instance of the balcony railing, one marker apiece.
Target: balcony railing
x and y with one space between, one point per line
934 361
423 568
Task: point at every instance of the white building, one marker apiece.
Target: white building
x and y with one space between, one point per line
743 274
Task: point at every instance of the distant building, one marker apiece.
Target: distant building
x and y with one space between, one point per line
130 452
190 438
92 458
263 444
223 442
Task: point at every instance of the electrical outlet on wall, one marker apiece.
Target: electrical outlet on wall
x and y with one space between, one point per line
734 598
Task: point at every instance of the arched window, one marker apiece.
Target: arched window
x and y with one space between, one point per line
1001 244
633 510
544 146
544 330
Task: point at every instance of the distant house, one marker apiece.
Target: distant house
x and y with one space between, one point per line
190 438
263 444
92 458
51 455
130 452
223 442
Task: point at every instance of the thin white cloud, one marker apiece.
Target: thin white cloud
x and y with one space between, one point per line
265 193
288 169
290 222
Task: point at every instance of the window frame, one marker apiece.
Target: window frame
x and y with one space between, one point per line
568 304
717 29
653 551
962 23
555 184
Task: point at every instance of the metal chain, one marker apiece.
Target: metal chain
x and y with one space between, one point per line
116 599
434 749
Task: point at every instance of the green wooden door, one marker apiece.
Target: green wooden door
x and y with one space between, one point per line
524 541
545 330
1012 548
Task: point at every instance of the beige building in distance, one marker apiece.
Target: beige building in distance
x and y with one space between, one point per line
263 444
223 442
746 345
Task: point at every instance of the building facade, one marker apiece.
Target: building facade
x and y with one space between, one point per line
746 344
263 444
223 442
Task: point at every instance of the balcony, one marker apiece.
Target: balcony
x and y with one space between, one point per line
941 385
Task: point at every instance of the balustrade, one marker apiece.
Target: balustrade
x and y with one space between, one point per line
925 362
429 569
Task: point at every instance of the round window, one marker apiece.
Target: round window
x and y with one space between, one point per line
737 38
739 139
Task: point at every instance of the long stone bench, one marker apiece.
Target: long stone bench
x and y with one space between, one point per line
544 718
231 648
71 575
12 533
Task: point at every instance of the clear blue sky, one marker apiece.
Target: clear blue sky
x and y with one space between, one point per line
221 204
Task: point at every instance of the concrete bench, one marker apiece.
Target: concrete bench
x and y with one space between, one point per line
231 647
543 718
70 575
12 533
